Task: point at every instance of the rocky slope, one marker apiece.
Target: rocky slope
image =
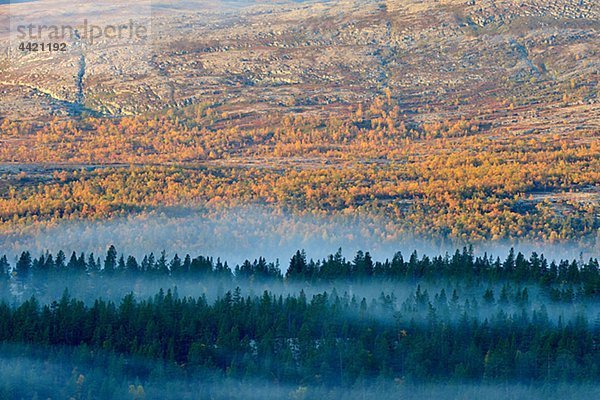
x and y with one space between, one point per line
438 58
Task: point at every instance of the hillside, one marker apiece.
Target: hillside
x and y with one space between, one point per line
470 119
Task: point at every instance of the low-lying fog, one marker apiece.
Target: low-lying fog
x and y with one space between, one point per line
401 303
68 377
247 233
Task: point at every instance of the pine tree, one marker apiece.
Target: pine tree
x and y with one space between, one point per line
23 265
59 263
298 266
4 266
110 262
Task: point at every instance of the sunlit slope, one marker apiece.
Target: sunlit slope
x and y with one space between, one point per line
469 120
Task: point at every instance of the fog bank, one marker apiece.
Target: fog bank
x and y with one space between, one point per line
244 233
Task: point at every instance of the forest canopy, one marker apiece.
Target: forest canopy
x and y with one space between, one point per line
463 318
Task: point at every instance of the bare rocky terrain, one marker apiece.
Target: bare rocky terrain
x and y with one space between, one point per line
438 59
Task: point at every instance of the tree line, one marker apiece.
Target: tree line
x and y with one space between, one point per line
564 278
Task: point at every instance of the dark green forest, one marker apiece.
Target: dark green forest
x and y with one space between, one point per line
584 277
366 327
